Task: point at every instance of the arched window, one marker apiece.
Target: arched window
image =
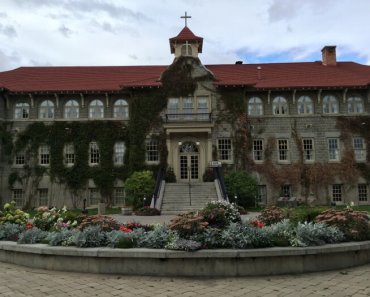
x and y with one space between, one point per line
71 110
186 50
355 105
330 104
305 105
22 111
96 109
255 106
120 109
279 106
46 110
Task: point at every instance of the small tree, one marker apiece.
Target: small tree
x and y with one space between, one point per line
243 185
138 185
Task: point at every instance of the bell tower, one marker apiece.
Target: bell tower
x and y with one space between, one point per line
186 43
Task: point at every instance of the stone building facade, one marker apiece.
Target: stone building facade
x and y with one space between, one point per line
299 128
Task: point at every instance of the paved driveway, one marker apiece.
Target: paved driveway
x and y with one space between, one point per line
20 281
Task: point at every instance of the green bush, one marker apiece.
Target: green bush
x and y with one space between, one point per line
13 215
138 185
147 211
243 185
31 236
302 214
219 214
10 231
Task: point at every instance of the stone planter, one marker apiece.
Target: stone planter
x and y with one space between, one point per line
101 208
126 211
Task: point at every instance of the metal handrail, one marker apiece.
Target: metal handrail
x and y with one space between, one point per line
158 182
201 116
218 172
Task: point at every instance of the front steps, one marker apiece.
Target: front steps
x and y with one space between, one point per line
176 198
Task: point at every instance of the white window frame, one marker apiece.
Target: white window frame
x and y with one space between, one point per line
120 109
96 109
19 159
119 196
305 105
18 197
21 111
363 193
330 105
280 106
186 50
119 153
94 154
188 108
333 149
225 149
355 105
286 190
255 106
43 195
308 147
71 109
359 149
44 155
337 193
283 150
69 154
258 150
152 151
46 110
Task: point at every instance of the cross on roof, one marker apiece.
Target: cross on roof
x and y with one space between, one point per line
186 17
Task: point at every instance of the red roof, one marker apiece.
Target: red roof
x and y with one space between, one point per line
186 35
114 78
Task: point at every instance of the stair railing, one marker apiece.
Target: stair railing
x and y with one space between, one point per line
157 187
218 173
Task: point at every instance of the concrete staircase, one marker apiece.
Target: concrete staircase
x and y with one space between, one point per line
176 198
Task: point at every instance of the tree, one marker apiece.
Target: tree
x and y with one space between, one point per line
243 185
138 185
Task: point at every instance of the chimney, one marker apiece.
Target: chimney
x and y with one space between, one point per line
329 57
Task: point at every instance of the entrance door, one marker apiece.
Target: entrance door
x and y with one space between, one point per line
189 161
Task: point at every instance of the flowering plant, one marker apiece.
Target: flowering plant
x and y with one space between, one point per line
13 215
257 223
125 229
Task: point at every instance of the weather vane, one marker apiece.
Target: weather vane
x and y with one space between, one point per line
186 17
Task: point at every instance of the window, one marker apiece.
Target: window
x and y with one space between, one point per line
69 154
362 192
187 107
96 109
283 149
43 197
330 104
202 108
262 194
71 110
18 197
333 148
20 158
308 151
94 196
152 153
119 196
186 50
258 150
44 154
120 109
286 191
173 108
46 110
359 148
119 153
305 105
279 106
94 155
22 111
255 106
337 193
355 105
224 149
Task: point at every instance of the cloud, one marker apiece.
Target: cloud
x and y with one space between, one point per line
8 61
66 32
9 31
133 57
38 63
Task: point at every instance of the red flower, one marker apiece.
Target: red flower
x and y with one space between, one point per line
29 226
257 223
125 229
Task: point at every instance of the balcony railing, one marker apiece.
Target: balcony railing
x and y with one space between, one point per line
188 117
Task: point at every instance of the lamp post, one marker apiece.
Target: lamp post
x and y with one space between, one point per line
236 199
144 199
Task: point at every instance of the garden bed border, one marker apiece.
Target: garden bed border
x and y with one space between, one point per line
205 263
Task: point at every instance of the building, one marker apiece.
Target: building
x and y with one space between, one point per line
302 129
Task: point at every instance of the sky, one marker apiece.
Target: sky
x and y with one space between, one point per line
136 32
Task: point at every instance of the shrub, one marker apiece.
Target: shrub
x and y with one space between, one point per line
271 215
220 214
91 236
208 175
147 211
155 239
188 224
303 214
64 237
354 224
119 239
31 236
181 244
10 231
209 239
105 223
138 185
243 185
48 219
281 233
13 215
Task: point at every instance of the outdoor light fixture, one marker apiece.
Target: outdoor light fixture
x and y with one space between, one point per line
197 143
180 143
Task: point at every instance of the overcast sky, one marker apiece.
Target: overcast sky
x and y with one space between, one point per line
136 32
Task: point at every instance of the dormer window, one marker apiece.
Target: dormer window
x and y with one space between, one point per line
186 50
